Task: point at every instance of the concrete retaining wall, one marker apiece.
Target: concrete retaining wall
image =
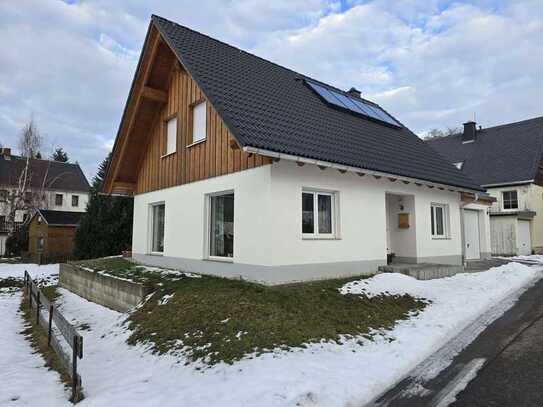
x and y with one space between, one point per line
108 291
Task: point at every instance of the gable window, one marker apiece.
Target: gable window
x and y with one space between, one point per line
510 199
171 135
75 200
459 164
440 220
58 199
318 212
199 122
221 225
3 195
157 228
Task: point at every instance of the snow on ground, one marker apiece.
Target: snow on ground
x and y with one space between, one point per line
24 380
324 374
47 274
533 259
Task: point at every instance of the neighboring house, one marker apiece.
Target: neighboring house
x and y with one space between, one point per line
51 235
507 160
242 168
53 185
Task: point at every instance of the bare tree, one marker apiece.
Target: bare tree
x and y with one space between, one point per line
30 140
438 133
22 199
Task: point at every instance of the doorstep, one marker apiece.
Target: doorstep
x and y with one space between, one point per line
423 271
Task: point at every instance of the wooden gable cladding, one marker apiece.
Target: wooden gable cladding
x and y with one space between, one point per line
217 155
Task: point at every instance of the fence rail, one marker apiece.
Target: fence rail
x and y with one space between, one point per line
49 317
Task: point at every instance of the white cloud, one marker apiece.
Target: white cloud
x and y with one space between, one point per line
432 63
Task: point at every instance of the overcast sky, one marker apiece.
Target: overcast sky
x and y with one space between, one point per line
433 64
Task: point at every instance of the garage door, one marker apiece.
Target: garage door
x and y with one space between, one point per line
471 234
524 241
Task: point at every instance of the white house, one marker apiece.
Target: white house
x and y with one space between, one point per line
53 185
242 168
507 160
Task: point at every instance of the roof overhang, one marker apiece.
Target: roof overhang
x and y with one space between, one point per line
508 184
526 215
359 171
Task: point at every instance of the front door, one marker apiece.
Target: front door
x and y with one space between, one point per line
524 240
471 234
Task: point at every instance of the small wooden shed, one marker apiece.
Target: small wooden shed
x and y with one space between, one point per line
51 235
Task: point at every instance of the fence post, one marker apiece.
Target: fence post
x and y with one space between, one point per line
50 331
74 369
38 307
30 293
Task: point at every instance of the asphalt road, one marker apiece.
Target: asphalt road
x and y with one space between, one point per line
503 366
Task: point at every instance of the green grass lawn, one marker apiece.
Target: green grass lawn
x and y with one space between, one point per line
212 319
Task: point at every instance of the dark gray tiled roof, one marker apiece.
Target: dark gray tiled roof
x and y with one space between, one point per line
58 175
267 106
503 154
61 217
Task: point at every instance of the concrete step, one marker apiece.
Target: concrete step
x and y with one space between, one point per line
423 271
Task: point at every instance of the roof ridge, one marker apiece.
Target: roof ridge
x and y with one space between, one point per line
301 75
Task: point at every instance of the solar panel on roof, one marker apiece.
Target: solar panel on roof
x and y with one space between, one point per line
352 104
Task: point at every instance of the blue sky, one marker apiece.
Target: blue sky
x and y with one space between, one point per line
433 64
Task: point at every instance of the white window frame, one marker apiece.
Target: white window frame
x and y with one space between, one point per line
151 230
198 133
207 227
77 199
334 215
170 126
61 199
459 165
503 200
446 221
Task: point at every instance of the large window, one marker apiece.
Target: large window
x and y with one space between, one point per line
510 199
318 214
58 199
221 233
157 228
75 200
440 221
171 135
199 122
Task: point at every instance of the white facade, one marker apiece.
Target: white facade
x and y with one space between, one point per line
506 240
268 242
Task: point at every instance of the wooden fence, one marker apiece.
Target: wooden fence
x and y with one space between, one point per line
49 317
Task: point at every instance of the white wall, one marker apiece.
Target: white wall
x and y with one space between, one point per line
362 216
268 212
67 201
185 217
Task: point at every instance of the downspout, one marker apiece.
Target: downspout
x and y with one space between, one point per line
462 222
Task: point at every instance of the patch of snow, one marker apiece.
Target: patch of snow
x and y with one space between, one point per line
322 374
534 259
164 300
46 275
448 394
24 378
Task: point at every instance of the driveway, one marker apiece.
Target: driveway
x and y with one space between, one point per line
503 366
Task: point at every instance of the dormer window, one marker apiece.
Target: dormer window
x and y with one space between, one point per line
459 165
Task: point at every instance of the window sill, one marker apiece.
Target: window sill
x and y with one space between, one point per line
169 154
220 259
316 237
441 238
159 254
196 143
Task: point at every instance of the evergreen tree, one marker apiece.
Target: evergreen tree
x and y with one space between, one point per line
60 155
106 228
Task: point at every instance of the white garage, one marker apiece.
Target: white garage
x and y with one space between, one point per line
511 233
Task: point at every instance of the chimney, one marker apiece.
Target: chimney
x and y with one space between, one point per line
470 132
355 93
5 153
